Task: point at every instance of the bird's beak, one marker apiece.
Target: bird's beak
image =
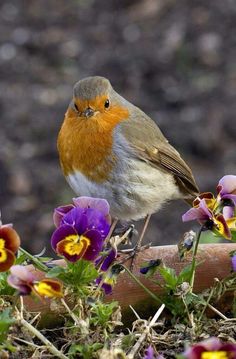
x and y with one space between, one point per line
89 112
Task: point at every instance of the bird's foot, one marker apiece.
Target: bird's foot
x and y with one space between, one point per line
132 253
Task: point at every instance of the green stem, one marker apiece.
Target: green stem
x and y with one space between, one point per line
142 285
193 267
34 260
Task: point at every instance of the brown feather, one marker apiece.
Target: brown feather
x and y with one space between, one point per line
151 146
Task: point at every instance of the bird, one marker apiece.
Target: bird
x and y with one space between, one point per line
109 148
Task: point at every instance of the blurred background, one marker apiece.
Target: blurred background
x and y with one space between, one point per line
174 59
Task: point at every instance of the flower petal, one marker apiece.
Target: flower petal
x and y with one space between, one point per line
228 212
227 184
233 261
60 234
23 273
10 237
96 244
7 259
60 212
76 218
105 286
221 226
49 288
96 220
227 188
15 282
201 213
97 203
73 247
209 198
109 259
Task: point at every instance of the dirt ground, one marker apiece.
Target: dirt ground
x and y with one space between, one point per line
174 59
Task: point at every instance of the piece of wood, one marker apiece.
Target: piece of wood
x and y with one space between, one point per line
214 262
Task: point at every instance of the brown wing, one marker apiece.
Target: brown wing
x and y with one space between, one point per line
152 146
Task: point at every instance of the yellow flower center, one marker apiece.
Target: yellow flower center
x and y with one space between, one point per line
215 355
76 244
3 253
2 243
220 227
46 290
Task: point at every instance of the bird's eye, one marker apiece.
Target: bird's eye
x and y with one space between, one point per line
76 107
107 103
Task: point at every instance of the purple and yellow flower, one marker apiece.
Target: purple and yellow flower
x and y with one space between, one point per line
107 259
99 204
9 245
211 348
150 266
22 279
226 190
108 279
81 234
205 216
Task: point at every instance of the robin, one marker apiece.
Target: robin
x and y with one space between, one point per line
111 149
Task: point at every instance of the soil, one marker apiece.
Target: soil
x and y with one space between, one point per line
174 59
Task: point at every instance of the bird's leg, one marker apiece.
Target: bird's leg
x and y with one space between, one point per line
113 225
139 243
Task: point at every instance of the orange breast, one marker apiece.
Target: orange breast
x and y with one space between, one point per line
85 144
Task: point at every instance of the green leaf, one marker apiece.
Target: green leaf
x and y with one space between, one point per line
233 233
102 313
169 276
185 274
85 350
56 271
5 289
5 322
76 275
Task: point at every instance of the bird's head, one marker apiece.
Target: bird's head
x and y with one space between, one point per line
95 100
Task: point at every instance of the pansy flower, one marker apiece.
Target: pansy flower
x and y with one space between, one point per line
9 245
150 266
149 354
215 222
81 234
108 279
233 260
22 279
82 202
104 262
211 348
226 190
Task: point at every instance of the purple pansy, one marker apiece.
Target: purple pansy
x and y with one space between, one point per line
201 213
22 279
82 202
151 265
213 347
149 354
108 259
105 263
215 222
108 279
81 234
233 261
227 188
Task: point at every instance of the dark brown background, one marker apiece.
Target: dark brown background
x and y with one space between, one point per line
174 59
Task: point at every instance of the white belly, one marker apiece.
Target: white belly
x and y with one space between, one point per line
134 191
